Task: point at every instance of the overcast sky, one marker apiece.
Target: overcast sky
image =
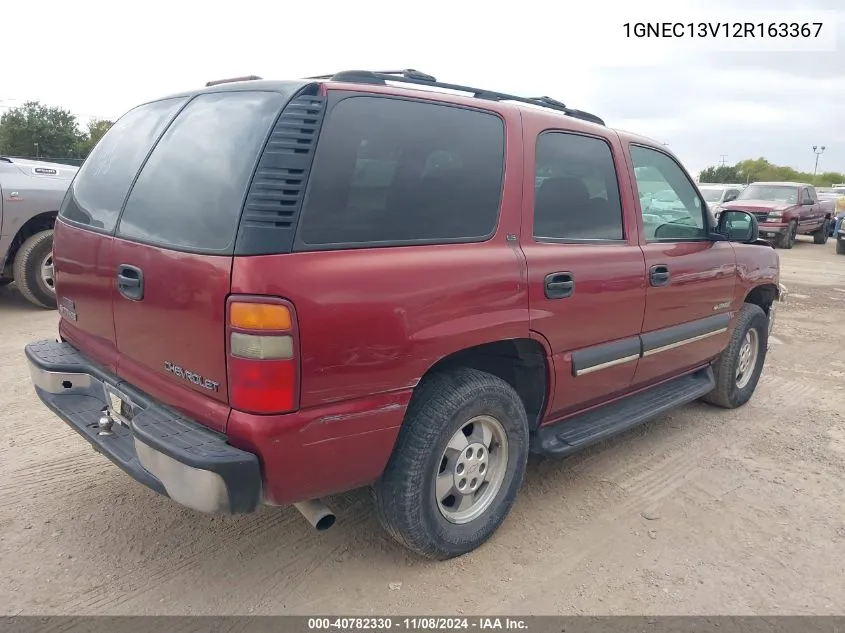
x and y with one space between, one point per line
101 58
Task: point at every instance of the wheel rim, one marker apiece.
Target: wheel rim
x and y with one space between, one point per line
471 469
48 272
747 358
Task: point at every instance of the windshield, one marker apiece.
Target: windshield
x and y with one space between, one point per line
770 193
667 195
711 195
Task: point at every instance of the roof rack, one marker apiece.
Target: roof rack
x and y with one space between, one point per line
411 76
217 82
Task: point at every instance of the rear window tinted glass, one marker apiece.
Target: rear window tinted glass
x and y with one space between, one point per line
190 192
393 171
576 191
101 185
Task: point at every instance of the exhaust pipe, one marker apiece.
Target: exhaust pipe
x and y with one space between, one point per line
316 513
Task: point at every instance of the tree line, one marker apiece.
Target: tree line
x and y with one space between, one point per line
751 170
37 130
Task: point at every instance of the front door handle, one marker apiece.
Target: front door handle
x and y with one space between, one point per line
659 275
130 282
559 285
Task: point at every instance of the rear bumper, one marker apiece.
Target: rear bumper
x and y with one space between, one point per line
163 450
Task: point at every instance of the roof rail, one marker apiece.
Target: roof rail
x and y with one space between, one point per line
411 76
217 82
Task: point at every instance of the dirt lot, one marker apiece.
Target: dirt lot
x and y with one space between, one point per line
745 508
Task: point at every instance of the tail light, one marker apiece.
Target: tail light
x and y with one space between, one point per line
263 364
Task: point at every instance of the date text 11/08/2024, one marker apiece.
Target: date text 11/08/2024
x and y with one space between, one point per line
415 624
723 29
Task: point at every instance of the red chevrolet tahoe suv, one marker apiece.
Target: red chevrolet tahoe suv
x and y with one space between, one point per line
274 291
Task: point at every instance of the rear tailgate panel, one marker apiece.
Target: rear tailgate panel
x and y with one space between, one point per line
177 332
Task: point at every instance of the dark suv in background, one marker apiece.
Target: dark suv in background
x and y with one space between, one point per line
274 291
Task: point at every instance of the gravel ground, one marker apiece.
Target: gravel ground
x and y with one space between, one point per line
702 511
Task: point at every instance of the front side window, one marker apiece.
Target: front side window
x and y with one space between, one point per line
671 208
576 191
392 171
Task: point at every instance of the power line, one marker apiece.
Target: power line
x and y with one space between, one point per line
724 159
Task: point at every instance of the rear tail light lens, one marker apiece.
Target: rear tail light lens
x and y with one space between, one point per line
259 316
261 347
263 364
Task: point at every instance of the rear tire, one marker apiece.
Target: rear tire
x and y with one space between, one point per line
5 282
457 421
739 367
820 236
787 240
34 254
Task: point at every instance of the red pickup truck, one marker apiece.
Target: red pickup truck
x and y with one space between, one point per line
275 291
786 209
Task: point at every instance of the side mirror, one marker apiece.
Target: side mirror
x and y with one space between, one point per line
731 197
738 226
806 202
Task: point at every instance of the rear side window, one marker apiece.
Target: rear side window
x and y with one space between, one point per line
190 192
576 190
389 171
97 194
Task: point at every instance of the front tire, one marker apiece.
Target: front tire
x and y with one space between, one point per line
457 466
787 240
840 247
739 367
34 272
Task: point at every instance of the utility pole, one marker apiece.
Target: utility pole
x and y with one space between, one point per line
818 151
724 159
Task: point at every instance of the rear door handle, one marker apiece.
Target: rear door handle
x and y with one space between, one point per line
130 282
559 285
659 275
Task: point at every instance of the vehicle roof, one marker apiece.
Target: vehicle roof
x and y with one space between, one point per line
270 85
553 117
782 184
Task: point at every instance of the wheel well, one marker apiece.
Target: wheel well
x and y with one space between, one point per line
762 296
519 362
35 224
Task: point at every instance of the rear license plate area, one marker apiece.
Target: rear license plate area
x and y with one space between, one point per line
120 407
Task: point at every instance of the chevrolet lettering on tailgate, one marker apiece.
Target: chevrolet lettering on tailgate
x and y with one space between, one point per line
190 376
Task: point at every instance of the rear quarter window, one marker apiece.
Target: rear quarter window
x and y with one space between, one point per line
190 192
100 187
391 171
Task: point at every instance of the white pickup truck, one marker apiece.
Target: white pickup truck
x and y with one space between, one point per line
30 195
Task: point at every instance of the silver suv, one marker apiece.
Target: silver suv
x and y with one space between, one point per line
30 195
